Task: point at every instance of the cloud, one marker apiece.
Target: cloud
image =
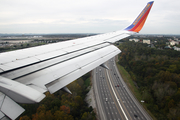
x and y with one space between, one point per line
69 16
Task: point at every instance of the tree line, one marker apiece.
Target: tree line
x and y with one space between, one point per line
157 75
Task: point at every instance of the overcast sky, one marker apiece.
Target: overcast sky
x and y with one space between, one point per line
86 16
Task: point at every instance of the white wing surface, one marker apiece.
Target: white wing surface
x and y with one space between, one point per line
26 74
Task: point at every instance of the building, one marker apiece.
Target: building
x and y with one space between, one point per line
167 43
176 48
167 47
172 42
147 41
134 39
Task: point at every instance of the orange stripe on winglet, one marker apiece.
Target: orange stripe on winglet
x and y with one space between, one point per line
140 26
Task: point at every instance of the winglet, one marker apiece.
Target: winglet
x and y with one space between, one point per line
137 25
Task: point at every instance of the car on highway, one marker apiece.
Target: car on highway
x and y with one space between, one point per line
135 116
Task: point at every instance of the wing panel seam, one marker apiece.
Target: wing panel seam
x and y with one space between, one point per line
57 63
51 58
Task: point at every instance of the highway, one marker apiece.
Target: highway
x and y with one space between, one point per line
114 101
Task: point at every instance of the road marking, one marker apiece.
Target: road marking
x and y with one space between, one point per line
97 98
113 97
116 96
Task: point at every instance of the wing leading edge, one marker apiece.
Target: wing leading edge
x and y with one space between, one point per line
25 75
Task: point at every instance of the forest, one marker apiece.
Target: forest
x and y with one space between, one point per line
156 73
61 105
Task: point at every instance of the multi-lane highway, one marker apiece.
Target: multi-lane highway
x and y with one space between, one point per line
113 98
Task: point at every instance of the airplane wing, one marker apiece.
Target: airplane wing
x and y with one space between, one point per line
26 74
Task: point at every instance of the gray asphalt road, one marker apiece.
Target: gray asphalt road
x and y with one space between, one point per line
114 100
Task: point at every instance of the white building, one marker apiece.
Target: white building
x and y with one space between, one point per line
147 41
172 42
134 39
176 48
